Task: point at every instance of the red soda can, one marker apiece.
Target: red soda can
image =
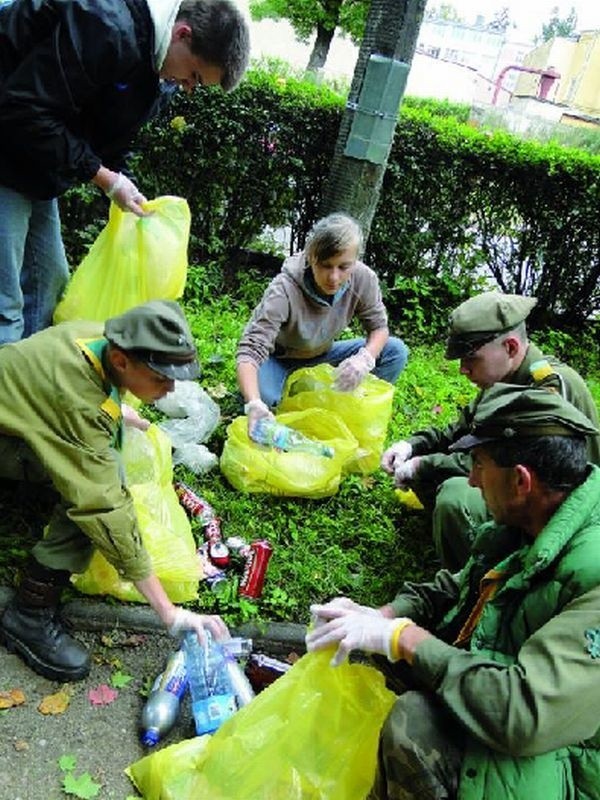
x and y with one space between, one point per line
193 503
217 549
251 584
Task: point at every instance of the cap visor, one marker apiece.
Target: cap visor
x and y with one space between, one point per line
176 372
468 442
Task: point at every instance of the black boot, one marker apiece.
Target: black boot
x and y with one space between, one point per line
32 627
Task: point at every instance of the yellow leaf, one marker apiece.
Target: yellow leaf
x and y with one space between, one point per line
14 697
54 703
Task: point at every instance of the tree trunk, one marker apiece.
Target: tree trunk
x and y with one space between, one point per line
320 50
354 184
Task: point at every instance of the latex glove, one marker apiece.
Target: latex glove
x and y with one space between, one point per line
395 455
185 620
255 410
352 370
342 605
133 419
126 195
405 472
354 631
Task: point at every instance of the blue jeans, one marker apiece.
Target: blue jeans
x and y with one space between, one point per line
33 265
274 371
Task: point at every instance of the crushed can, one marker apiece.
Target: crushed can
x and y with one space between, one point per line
217 549
195 505
255 568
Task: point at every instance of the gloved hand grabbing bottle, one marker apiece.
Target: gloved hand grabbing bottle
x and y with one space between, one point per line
255 410
184 620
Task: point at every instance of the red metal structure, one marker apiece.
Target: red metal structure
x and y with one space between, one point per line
547 78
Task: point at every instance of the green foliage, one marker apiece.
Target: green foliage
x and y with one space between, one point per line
465 206
559 26
305 15
81 786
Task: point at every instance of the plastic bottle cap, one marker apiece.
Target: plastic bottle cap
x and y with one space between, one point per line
150 738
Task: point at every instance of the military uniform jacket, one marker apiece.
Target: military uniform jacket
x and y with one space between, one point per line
56 400
437 464
525 686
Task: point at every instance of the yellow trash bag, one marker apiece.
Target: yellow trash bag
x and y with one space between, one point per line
251 467
311 735
366 411
164 526
133 260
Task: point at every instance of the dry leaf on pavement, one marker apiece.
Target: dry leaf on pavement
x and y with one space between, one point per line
54 703
13 697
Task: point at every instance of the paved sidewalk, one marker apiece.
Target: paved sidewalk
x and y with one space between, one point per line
103 739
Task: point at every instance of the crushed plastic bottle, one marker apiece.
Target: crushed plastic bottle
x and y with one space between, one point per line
161 709
213 698
268 432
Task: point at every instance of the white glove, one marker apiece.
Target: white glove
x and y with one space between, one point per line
352 370
133 419
394 455
185 620
406 471
340 606
354 631
255 410
126 195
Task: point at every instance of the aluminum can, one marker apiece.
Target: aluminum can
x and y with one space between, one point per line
195 505
218 551
255 568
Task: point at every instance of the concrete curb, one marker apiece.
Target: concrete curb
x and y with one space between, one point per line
274 638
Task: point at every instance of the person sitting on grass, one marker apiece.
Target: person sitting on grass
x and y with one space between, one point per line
497 666
61 422
314 298
488 335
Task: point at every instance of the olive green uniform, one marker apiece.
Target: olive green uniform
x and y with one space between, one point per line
60 419
442 479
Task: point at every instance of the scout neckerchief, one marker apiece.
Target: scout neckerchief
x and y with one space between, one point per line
93 350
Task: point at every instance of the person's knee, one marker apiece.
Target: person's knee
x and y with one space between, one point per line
459 509
392 360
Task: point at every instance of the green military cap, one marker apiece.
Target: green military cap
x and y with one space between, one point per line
506 411
158 334
483 318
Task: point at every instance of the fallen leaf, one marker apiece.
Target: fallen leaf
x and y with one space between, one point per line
21 745
55 703
134 640
102 695
82 786
120 679
217 392
13 697
67 762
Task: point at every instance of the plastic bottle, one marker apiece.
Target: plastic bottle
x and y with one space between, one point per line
242 688
161 709
213 699
273 434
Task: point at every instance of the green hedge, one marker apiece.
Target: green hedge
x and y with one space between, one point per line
458 206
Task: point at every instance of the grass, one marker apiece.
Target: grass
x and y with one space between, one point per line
360 542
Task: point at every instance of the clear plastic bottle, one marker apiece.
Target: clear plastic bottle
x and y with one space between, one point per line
242 688
273 434
213 698
162 707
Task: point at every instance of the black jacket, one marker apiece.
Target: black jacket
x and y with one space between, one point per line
77 80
